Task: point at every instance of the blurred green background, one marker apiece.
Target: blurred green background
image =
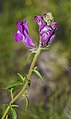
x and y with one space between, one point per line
53 96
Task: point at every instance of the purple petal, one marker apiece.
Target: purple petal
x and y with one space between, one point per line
25 24
43 39
28 41
39 20
18 37
41 27
54 25
19 26
22 26
46 36
45 29
51 39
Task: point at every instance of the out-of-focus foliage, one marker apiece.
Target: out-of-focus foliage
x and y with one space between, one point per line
13 55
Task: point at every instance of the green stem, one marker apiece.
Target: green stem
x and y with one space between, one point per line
26 84
6 111
11 91
33 63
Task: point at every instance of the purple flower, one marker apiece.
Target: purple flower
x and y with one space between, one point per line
47 28
22 35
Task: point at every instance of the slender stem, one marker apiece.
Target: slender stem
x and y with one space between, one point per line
5 113
26 84
33 62
11 91
19 94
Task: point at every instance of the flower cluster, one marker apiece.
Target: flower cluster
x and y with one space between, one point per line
47 31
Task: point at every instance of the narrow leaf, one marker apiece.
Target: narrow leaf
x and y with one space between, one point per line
22 78
14 114
4 105
15 106
33 52
27 101
35 68
13 85
38 74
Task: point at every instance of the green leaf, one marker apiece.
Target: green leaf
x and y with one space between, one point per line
38 74
15 106
14 114
33 52
22 78
35 68
27 101
13 85
4 105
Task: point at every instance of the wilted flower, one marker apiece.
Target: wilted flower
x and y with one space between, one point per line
22 35
47 28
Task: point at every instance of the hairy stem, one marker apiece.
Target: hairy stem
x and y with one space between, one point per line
26 84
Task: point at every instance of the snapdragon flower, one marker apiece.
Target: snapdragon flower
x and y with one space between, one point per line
22 35
47 28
